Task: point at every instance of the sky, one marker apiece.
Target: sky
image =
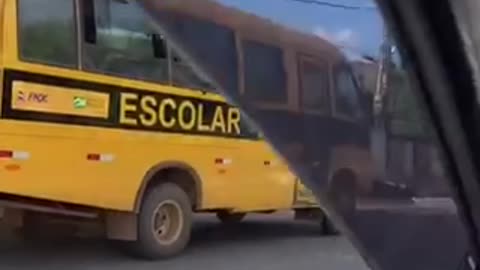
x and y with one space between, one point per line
360 30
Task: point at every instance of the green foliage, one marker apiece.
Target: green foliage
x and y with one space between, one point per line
406 115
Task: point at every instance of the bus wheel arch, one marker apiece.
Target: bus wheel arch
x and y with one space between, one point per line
175 172
160 225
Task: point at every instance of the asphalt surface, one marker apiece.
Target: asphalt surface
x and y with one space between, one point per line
423 236
260 242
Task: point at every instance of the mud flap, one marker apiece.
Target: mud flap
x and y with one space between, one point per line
121 226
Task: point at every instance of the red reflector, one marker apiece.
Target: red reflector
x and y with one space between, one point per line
6 154
12 167
93 157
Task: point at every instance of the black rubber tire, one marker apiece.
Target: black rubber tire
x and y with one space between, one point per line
230 218
146 246
343 196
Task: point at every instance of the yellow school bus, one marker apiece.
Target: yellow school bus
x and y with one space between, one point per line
101 119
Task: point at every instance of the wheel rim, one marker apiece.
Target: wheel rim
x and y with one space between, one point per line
167 222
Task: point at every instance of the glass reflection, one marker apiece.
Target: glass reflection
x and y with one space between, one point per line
327 88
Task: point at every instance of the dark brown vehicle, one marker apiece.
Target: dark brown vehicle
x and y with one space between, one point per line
275 70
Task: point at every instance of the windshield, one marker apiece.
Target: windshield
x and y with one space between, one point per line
216 134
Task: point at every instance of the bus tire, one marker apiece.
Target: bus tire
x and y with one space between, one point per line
342 194
164 223
230 218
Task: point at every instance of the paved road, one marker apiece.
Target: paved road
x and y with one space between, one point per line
406 237
261 242
423 236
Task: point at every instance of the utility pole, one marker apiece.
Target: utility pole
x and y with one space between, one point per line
382 83
379 137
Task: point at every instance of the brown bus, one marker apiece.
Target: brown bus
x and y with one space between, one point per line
253 59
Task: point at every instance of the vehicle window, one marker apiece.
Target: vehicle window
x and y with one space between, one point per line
314 152
203 34
314 85
183 75
47 32
265 77
346 94
123 42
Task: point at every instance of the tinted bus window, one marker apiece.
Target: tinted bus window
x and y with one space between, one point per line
346 94
314 85
202 35
47 32
124 43
265 76
184 75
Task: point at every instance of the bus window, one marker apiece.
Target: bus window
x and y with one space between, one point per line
120 42
313 85
202 34
183 75
47 32
346 94
265 75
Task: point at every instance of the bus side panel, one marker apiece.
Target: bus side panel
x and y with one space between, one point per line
360 161
273 186
107 171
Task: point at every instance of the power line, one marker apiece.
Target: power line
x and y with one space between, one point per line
334 5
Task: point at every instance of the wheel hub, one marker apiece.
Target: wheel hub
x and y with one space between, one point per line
167 222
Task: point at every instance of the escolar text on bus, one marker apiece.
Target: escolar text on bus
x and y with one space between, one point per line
176 113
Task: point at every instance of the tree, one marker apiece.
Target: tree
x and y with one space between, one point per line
407 116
